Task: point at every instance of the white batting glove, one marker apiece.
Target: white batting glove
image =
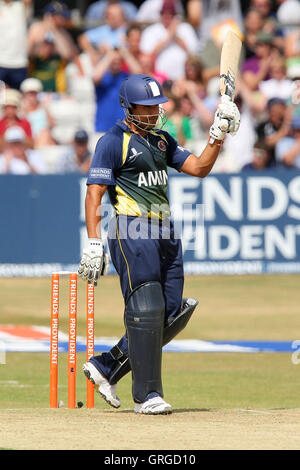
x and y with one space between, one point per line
215 131
226 121
94 261
229 111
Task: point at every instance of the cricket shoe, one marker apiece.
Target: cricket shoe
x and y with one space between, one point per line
153 406
107 391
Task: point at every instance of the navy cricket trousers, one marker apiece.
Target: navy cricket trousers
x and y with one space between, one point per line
144 250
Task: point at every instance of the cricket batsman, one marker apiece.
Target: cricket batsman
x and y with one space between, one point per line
130 162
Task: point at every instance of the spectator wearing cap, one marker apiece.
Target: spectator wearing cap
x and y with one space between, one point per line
170 41
97 41
96 11
17 158
257 68
149 11
11 118
39 117
13 37
275 127
287 150
48 66
50 47
78 158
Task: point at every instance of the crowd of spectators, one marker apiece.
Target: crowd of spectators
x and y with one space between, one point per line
60 74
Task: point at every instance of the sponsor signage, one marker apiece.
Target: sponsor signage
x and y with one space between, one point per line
228 223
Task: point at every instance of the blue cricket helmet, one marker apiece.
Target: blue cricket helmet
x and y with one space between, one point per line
140 89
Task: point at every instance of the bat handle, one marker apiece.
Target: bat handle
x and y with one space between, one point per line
229 91
225 125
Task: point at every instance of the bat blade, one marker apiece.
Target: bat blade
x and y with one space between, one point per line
230 56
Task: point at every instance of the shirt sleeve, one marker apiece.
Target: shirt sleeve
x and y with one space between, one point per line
27 128
176 155
106 161
95 35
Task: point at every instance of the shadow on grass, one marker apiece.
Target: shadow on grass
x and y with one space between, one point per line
191 410
179 410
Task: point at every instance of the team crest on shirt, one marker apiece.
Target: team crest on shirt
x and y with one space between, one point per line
161 145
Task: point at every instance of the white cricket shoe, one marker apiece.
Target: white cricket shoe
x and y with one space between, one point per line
107 391
153 406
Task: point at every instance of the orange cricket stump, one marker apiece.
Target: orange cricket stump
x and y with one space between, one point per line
72 360
90 339
72 350
54 339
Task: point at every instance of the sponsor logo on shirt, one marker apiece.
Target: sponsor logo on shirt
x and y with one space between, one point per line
153 178
161 145
104 173
134 153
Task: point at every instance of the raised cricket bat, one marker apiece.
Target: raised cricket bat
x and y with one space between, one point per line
230 56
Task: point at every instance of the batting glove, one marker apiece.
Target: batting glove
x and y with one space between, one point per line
229 111
226 121
94 261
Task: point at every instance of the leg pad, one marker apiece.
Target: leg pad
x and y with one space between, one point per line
174 326
144 321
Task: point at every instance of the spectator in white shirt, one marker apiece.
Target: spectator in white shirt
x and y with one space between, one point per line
170 41
13 37
17 159
278 85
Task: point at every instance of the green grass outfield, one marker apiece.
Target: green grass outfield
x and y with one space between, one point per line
191 382
231 308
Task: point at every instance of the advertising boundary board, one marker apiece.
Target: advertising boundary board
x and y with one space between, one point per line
246 223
